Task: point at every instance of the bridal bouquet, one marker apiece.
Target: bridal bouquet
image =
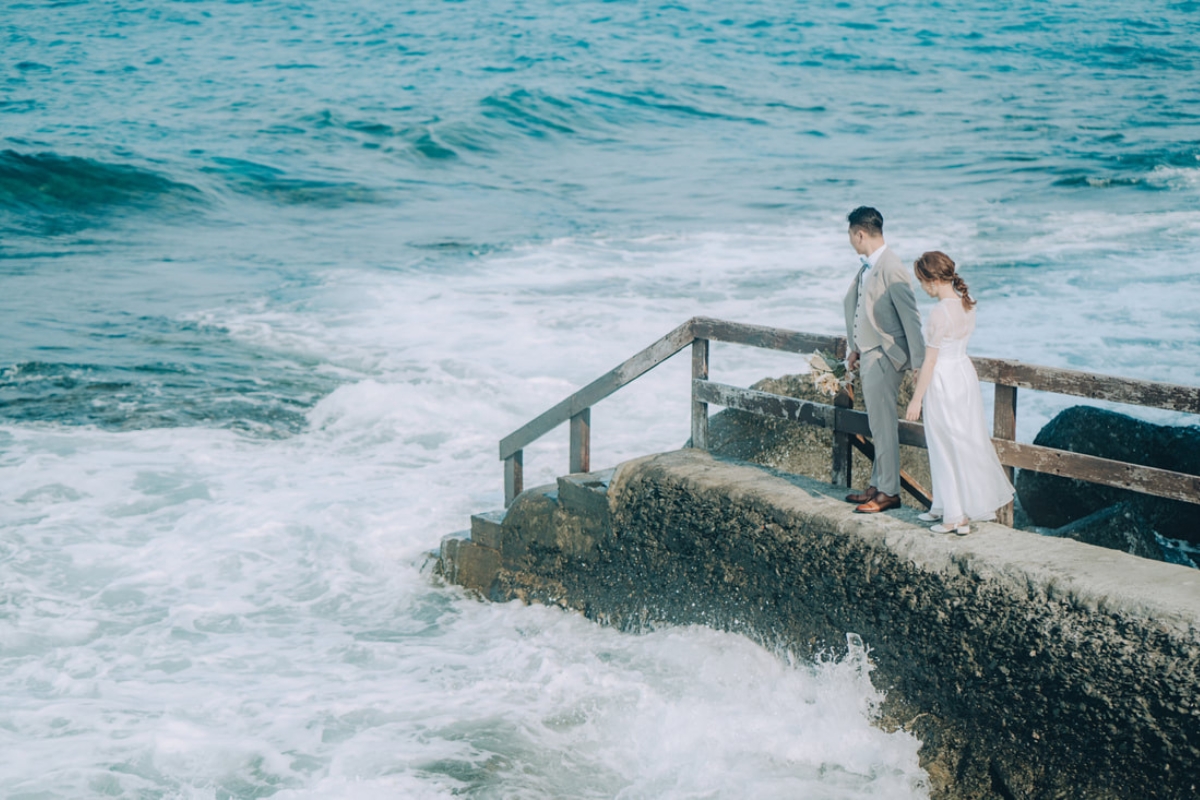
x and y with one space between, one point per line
829 375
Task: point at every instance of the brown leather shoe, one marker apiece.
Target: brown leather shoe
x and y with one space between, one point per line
864 497
880 502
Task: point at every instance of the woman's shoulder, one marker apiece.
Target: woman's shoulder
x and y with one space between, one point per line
939 312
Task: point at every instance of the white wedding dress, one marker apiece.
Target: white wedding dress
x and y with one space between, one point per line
968 481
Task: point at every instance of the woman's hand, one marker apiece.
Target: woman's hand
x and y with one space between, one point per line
914 410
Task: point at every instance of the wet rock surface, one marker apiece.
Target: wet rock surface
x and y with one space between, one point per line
1118 527
1028 666
802 449
1053 502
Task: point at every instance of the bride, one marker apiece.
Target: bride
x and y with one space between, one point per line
968 481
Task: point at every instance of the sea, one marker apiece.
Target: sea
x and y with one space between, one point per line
276 277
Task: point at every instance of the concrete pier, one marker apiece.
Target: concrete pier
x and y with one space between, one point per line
1030 667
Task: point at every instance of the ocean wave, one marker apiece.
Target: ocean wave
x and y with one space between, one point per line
1167 157
156 395
534 113
1099 181
658 102
422 141
1166 168
269 183
48 192
1140 56
483 127
17 106
1179 172
1175 177
494 120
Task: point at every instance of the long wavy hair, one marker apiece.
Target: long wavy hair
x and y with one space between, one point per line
937 266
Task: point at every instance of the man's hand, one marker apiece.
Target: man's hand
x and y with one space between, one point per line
913 413
852 361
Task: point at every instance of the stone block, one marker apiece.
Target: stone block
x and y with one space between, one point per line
487 528
448 554
529 524
476 567
585 493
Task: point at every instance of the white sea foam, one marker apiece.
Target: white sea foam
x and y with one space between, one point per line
251 617
203 614
206 614
1175 177
190 612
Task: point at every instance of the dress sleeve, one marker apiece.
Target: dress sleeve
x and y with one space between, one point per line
937 327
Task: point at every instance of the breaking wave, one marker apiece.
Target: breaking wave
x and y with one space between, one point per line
50 193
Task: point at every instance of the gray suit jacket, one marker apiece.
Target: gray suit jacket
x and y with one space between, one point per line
892 310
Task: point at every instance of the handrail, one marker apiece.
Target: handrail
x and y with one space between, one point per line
626 372
649 358
1151 394
1006 375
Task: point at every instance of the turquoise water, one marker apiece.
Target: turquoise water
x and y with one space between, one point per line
163 159
277 277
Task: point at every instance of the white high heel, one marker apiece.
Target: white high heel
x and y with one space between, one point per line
961 530
927 517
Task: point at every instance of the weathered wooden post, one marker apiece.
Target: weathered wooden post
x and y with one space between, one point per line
1004 426
841 473
581 442
514 476
699 409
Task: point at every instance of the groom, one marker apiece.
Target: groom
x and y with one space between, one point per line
883 335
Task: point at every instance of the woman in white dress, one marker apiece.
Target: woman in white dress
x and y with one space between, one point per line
968 481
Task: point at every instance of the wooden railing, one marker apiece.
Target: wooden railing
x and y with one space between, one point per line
850 426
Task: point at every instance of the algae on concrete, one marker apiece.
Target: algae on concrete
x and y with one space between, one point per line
1028 666
803 449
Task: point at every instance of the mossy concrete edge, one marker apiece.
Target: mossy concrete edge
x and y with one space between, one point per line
1029 666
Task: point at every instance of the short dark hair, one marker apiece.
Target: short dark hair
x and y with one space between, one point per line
866 218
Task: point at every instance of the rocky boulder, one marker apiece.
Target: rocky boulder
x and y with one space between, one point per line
802 449
1054 502
1118 527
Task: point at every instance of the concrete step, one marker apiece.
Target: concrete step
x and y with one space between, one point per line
473 560
448 551
585 492
468 564
485 528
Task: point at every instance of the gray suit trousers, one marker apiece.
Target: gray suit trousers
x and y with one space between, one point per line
881 387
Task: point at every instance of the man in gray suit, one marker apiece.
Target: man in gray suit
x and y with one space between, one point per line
883 333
